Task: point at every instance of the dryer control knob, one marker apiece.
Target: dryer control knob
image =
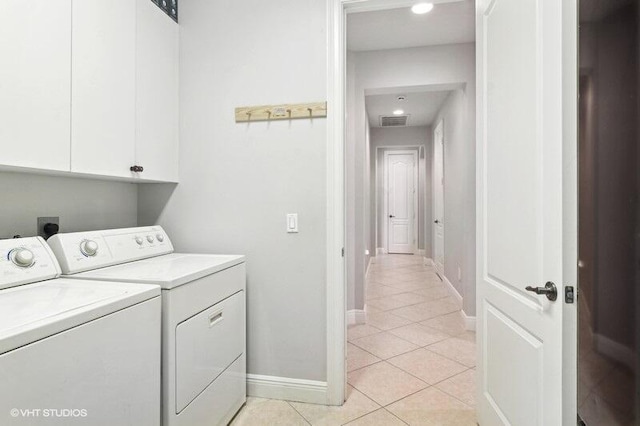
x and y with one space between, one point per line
89 248
23 257
160 237
150 238
139 240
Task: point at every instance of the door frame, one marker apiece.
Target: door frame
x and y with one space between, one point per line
416 186
335 181
433 204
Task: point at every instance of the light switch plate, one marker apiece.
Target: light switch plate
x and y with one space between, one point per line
292 223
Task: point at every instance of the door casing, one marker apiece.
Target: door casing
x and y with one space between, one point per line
439 265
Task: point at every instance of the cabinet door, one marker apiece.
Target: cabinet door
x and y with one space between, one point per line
35 83
103 87
156 93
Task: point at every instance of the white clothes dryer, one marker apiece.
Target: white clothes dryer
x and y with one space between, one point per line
203 314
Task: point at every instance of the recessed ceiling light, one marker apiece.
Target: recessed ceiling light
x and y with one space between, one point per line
398 112
422 8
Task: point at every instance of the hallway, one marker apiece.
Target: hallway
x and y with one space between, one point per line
411 363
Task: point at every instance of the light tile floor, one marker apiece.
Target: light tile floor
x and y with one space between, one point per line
411 363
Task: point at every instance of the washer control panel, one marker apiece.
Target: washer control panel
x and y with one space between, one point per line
25 261
84 251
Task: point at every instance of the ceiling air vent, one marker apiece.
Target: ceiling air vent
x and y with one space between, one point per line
393 120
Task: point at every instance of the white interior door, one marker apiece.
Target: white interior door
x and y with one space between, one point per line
402 202
522 197
438 197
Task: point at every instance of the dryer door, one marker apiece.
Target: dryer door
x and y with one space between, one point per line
206 344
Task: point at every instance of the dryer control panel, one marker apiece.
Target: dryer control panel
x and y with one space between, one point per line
25 261
84 251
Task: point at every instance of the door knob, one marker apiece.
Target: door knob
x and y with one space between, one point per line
391 216
436 221
548 290
136 169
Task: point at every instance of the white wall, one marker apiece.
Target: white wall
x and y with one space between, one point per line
435 66
401 137
81 204
238 181
458 113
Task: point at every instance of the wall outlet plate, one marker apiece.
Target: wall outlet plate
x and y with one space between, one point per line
42 221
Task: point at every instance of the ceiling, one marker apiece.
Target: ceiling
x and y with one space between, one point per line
421 107
447 23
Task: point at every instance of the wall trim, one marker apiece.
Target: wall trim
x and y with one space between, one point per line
452 290
288 389
336 213
615 350
421 252
381 250
469 321
356 316
366 274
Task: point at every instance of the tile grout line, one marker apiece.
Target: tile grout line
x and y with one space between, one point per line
386 360
298 412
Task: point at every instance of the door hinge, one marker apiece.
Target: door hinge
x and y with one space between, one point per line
342 251
569 294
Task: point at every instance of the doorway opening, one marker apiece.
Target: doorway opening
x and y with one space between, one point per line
526 194
410 101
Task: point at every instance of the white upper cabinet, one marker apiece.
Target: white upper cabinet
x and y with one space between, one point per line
89 87
103 86
156 93
35 83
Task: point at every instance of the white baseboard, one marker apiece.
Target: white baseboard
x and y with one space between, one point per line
469 322
287 389
366 274
617 351
356 316
452 290
439 268
381 250
421 252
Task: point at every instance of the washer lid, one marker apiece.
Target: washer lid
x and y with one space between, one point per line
35 311
168 271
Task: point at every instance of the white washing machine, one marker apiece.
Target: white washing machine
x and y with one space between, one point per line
203 314
74 352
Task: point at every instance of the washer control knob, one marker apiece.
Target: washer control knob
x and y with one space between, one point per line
150 238
160 237
89 248
139 240
23 257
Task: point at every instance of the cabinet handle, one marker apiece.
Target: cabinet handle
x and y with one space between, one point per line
136 169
